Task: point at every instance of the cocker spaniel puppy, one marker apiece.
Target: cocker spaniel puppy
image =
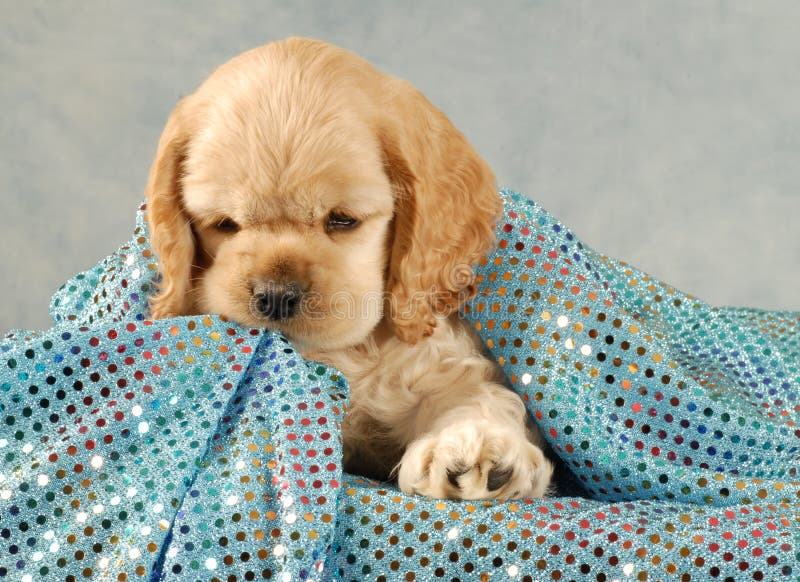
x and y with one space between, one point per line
302 190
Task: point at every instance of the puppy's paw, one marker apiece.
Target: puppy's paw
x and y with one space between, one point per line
475 460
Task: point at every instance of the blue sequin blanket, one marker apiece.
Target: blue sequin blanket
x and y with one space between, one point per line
192 448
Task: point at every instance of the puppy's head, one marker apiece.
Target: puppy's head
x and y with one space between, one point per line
301 189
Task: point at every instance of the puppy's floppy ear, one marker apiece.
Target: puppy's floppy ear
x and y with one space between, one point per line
446 205
170 233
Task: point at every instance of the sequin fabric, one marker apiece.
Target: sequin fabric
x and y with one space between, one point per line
195 449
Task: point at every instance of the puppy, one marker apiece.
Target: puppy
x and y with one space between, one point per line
302 190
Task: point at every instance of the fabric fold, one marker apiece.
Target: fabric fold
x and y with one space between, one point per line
195 449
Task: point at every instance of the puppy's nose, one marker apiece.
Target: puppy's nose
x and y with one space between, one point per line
276 301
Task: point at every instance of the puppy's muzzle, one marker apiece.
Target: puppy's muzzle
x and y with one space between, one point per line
276 301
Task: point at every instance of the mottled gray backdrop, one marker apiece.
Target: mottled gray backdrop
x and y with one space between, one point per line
664 133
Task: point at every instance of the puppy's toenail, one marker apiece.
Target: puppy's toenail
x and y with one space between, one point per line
498 477
456 472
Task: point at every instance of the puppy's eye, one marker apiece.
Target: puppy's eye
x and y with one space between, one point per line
227 225
340 221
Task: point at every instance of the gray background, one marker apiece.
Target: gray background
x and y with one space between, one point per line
663 133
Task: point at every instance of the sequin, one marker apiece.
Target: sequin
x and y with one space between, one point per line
194 449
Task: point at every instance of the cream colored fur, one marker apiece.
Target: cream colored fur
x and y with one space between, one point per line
435 406
249 172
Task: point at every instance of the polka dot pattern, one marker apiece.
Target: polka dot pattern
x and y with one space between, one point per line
195 449
643 391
